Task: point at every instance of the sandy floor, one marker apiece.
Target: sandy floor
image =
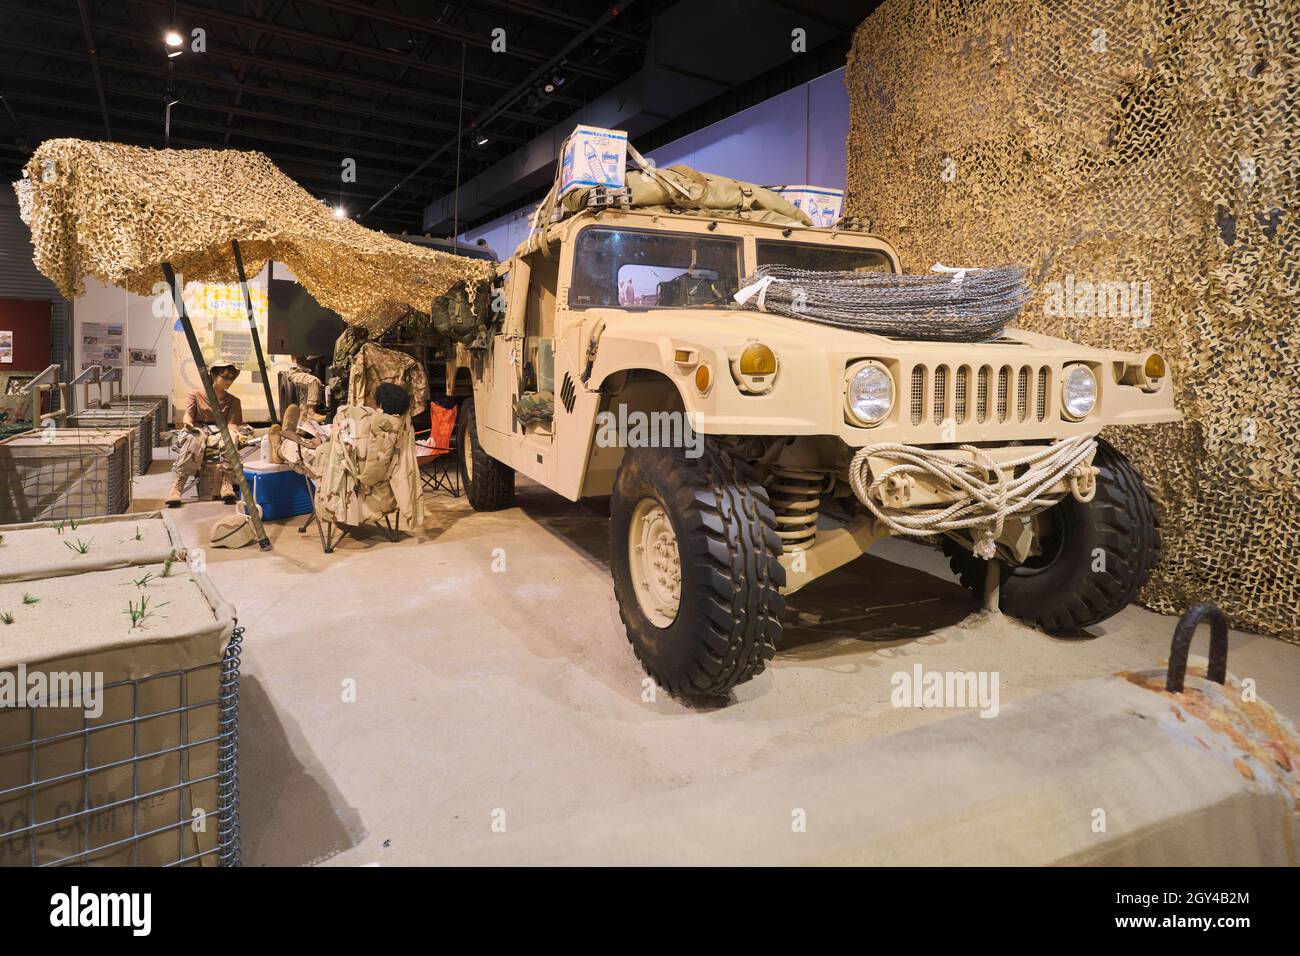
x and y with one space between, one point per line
399 699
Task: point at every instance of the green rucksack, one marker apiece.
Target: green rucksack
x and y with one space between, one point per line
461 315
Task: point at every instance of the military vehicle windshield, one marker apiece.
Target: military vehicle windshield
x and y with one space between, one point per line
820 258
634 269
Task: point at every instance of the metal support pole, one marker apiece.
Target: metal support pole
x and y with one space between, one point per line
228 443
252 327
993 586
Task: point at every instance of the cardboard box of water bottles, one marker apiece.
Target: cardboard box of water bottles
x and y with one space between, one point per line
593 157
820 203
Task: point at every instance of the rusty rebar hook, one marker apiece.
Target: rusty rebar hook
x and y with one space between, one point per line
1183 633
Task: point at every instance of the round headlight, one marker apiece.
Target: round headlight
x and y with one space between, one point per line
871 394
1079 391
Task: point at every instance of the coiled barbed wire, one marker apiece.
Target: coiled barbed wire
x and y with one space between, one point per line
955 305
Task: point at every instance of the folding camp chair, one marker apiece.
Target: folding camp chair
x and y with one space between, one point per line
331 534
435 452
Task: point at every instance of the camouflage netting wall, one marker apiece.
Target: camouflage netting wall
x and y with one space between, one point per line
1099 143
116 212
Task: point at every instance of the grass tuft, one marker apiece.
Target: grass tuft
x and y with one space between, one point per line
140 612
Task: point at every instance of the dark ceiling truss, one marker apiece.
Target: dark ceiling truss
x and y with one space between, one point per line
318 177
142 127
479 39
19 99
289 65
94 66
193 102
310 82
266 28
356 107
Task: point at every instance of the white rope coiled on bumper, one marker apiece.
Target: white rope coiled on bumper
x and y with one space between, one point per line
992 492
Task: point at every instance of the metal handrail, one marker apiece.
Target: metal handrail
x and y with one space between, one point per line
1183 634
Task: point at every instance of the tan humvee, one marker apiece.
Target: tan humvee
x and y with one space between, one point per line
746 489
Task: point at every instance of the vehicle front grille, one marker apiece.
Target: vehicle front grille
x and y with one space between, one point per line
1003 393
940 394
963 376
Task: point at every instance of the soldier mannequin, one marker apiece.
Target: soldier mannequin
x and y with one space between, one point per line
313 388
194 444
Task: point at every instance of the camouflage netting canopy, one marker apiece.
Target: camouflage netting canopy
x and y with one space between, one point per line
117 212
1141 159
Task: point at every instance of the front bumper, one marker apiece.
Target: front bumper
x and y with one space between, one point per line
924 490
969 491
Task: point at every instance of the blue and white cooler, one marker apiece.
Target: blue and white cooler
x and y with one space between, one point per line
280 492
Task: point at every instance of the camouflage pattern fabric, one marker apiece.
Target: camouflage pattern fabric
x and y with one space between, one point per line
116 212
302 459
535 407
1142 159
195 449
310 387
345 350
375 365
368 470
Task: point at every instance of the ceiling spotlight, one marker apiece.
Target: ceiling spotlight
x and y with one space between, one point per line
549 87
480 140
340 212
174 41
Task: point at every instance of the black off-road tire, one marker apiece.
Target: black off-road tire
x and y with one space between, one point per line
1059 591
728 619
492 484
